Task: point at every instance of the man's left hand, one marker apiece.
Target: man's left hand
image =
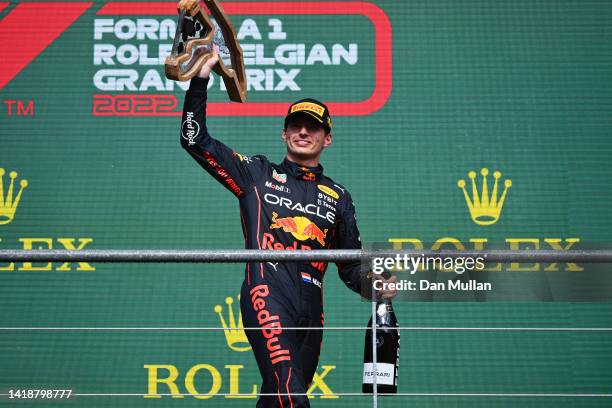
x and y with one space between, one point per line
387 293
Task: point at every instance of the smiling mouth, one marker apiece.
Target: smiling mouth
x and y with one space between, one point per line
302 142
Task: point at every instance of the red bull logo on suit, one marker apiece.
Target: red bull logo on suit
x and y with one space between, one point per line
300 227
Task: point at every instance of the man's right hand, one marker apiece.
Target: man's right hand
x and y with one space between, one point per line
210 63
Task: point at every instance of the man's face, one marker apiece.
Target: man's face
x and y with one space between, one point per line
305 137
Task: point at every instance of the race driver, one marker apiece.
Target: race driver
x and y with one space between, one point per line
290 206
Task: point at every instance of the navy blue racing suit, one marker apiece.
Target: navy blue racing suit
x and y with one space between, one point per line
283 207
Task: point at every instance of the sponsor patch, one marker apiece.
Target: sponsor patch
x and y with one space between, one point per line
306 277
328 191
308 106
243 158
281 178
190 129
277 187
312 209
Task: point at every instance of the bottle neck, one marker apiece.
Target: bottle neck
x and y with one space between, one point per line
385 315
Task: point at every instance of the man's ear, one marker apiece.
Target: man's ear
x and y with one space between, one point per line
327 140
284 136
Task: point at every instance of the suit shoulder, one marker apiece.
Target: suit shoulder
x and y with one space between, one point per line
334 189
262 158
250 159
245 157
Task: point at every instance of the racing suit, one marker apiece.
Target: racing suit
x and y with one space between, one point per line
283 207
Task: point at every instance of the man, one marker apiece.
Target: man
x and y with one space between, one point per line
291 205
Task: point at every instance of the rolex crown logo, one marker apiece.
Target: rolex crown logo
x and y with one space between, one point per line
485 209
234 333
8 205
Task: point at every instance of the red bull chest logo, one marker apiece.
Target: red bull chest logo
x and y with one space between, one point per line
300 227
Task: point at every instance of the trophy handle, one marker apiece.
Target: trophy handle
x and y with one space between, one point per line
182 65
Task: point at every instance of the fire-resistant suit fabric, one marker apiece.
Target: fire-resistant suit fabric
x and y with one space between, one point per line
283 207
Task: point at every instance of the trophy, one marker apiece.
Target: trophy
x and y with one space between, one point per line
196 33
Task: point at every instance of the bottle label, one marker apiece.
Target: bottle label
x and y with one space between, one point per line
385 373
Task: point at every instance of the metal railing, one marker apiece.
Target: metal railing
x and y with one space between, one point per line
255 255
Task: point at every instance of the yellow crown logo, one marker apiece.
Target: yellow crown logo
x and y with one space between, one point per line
485 209
8 206
234 333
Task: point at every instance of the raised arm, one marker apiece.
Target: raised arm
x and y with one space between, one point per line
235 171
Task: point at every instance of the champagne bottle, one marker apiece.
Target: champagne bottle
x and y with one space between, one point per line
387 351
